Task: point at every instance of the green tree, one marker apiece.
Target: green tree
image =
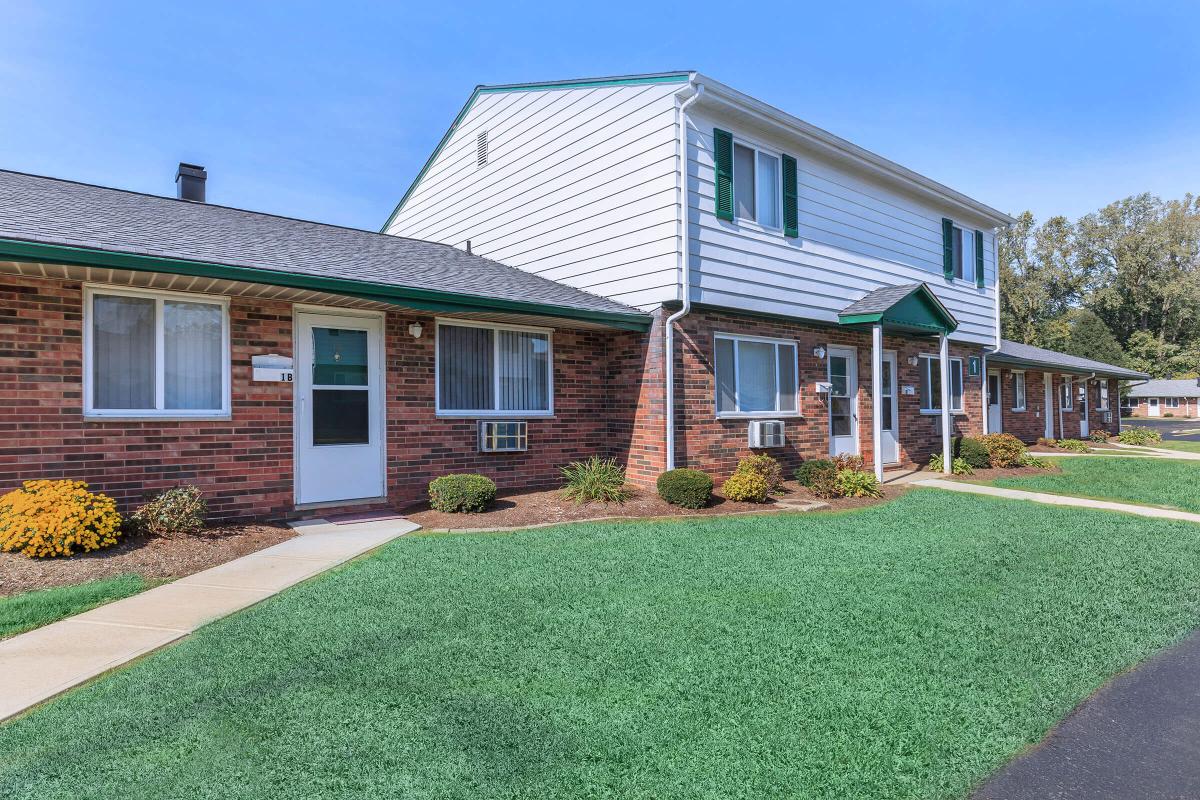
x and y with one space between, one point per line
1089 337
1039 279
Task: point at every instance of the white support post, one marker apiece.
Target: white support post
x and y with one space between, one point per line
986 394
944 369
877 398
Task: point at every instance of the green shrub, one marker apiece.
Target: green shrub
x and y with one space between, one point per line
973 451
1073 445
1100 435
1169 414
599 479
958 466
1044 442
810 470
1139 435
762 464
825 485
1003 449
461 493
687 488
847 461
746 487
1030 460
176 512
856 483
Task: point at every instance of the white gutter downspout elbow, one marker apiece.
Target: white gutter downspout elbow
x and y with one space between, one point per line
685 275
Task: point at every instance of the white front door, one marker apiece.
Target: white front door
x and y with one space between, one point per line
890 439
1048 379
843 401
1083 409
995 397
1152 407
339 407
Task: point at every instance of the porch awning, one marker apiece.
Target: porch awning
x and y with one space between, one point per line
912 308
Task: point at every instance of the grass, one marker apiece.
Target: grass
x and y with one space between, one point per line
24 612
898 651
1138 480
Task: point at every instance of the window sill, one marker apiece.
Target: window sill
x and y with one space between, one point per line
157 418
759 415
937 412
1018 410
495 415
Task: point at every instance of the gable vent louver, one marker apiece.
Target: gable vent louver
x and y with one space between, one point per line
481 149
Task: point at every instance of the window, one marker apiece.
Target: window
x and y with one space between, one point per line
1018 391
931 384
755 376
1103 396
1065 400
155 354
757 191
963 245
493 370
1171 402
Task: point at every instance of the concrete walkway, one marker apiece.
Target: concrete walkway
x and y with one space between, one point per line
49 660
1059 499
1135 737
1161 452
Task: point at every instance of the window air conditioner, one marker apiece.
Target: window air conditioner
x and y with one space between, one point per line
766 433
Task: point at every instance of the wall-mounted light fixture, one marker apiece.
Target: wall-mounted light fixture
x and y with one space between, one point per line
415 329
819 352
913 361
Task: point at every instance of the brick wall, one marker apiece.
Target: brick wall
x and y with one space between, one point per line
1030 425
715 445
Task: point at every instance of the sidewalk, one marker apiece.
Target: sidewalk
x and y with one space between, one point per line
1060 499
47 661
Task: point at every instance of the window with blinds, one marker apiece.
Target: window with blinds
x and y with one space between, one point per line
493 369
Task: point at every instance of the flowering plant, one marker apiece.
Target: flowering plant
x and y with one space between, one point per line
57 518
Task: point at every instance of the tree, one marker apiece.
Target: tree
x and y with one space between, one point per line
1038 276
1089 337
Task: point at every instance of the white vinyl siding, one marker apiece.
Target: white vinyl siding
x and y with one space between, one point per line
1018 391
755 377
489 370
855 235
155 354
580 188
931 385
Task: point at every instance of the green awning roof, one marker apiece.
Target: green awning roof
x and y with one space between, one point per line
912 308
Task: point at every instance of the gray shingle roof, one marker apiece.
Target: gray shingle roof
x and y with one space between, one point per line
1028 355
1187 387
880 300
58 212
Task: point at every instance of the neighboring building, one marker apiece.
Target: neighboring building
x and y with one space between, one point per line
778 290
1163 398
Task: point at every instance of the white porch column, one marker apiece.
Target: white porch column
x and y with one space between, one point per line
944 369
987 398
877 398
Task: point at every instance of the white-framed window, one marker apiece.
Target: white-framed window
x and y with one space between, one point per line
755 376
1018 391
1171 402
931 384
962 243
1065 396
155 354
487 369
757 185
1103 396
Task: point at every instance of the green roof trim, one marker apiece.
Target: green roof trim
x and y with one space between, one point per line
409 297
628 80
918 311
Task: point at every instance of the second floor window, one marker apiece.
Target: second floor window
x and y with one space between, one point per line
756 186
964 254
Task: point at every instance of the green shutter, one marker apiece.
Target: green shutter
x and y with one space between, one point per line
791 201
948 249
723 157
979 259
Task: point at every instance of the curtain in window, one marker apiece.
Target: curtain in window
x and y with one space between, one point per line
726 380
524 374
756 376
122 352
743 181
768 190
465 369
192 355
787 377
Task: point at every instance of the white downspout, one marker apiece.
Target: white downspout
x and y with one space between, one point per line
685 275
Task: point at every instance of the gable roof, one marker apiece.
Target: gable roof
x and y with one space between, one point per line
62 221
1185 387
911 307
1027 355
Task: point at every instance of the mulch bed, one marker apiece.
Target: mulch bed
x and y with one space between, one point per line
521 509
151 557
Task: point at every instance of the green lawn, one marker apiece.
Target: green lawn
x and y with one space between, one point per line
24 612
900 651
1186 446
1139 480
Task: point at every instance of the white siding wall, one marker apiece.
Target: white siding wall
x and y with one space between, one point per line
580 187
856 235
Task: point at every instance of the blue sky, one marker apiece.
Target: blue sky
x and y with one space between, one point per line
327 111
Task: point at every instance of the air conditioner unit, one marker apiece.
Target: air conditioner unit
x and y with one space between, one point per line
1107 417
766 433
503 436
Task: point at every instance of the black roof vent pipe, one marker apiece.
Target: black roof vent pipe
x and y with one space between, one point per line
189 182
